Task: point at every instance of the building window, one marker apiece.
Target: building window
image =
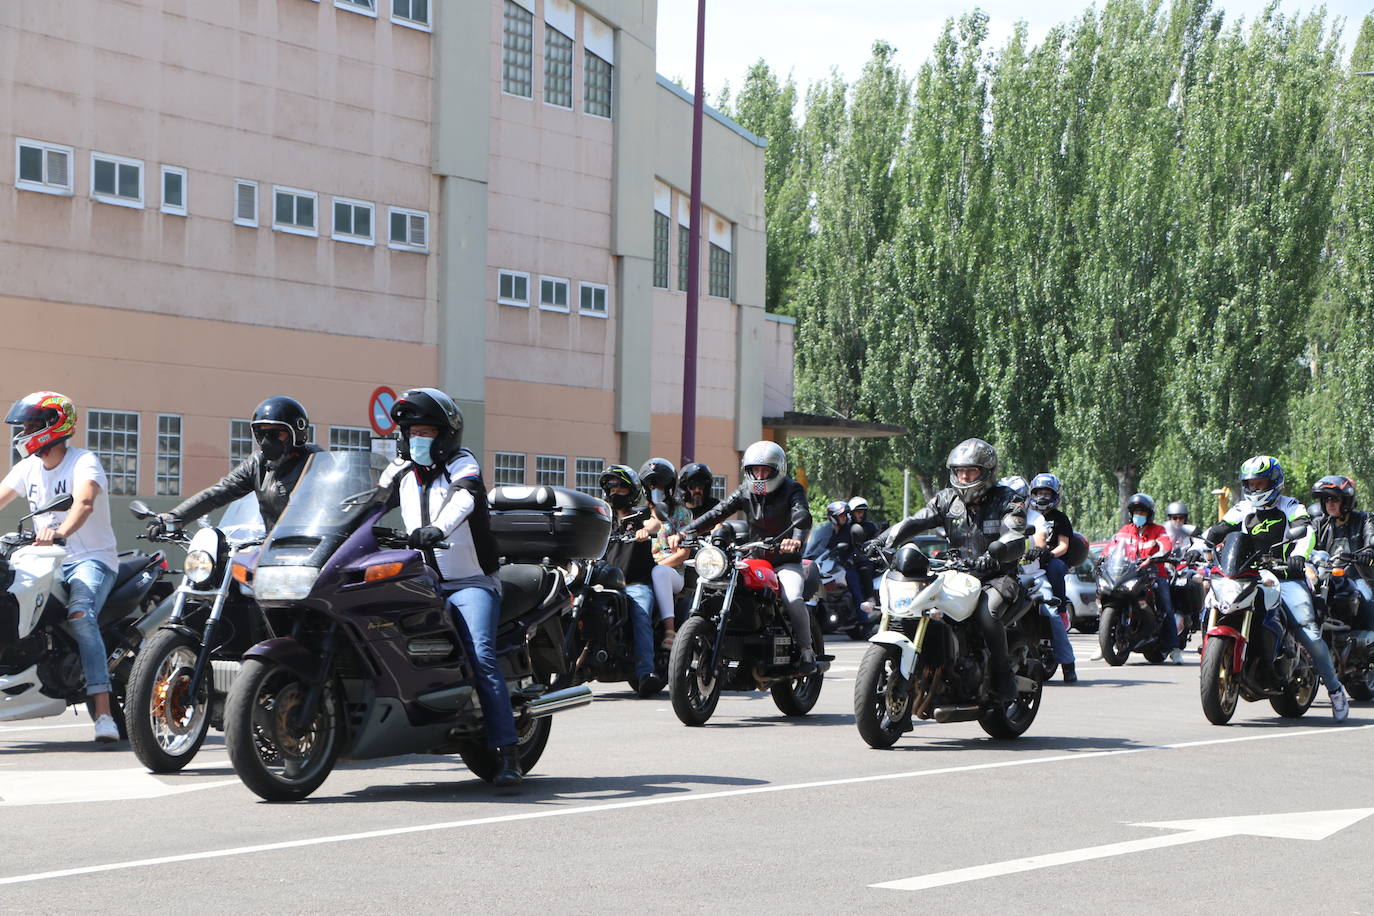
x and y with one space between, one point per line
168 481
173 190
550 471
597 91
513 288
719 284
409 230
509 468
558 68
366 7
718 486
350 439
352 221
44 167
240 441
592 299
517 51
662 227
587 475
553 294
116 180
113 436
684 252
293 211
412 13
245 203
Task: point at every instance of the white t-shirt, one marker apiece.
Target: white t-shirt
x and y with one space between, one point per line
95 540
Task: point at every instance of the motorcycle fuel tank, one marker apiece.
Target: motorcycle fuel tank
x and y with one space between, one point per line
758 575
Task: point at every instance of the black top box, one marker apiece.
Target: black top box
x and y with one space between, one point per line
531 524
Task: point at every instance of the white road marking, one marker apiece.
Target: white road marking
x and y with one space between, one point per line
1305 825
42 728
62 787
645 803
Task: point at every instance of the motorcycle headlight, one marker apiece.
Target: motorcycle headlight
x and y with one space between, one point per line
899 597
711 562
284 583
199 566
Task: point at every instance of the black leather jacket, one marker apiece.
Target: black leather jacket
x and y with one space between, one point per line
783 510
272 483
1358 532
999 516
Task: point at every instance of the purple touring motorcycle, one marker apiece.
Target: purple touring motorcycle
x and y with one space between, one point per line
371 662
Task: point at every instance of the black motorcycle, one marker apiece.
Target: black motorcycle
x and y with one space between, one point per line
181 677
833 604
370 661
1130 615
738 635
1338 604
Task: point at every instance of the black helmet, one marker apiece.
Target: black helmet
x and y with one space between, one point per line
618 475
429 407
286 412
1334 486
1144 503
694 474
658 474
973 453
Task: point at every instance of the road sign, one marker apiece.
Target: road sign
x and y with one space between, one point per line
379 411
1303 825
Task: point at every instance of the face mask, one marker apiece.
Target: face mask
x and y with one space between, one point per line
1140 521
619 500
419 450
657 495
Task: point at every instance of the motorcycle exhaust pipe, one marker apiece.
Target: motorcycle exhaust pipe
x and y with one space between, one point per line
559 700
944 714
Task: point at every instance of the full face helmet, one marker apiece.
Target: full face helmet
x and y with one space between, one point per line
769 456
43 419
1261 481
429 407
1041 500
974 453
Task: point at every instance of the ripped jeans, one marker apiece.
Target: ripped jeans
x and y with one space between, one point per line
88 585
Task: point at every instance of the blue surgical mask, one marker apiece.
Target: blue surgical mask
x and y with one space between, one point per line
1140 520
658 495
419 450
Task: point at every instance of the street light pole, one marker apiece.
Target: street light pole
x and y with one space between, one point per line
689 356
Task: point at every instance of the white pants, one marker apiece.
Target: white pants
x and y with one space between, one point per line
667 582
793 583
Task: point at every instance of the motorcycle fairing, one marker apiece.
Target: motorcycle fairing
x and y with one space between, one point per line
36 582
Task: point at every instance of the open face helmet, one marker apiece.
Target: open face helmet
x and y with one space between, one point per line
858 503
771 457
1045 501
837 511
1334 486
1261 481
50 418
658 474
1175 509
618 475
1141 504
974 453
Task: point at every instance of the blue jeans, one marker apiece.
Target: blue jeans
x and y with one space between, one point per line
853 580
1164 601
641 595
88 585
1301 618
1365 620
478 611
1059 637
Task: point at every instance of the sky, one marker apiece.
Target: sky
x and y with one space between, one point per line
808 37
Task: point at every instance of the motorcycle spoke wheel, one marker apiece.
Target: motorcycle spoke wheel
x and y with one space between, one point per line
167 725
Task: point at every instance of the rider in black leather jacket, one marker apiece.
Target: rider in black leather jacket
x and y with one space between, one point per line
281 428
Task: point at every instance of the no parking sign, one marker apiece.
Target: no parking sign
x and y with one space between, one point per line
379 411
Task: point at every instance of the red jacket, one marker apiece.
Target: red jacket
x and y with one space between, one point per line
1143 542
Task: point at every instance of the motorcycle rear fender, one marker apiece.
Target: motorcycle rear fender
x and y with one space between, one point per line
1238 641
288 652
904 645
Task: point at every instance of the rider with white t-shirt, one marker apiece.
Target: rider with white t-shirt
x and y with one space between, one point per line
49 468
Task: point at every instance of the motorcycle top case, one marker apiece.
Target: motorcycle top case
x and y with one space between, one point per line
532 523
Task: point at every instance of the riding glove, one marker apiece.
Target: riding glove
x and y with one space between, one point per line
424 537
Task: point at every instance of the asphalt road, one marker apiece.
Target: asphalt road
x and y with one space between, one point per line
631 811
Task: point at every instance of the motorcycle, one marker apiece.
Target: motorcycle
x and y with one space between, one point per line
1243 630
928 658
1352 650
1130 615
738 635
833 604
371 661
182 675
40 664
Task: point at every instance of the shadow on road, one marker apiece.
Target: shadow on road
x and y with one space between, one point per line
820 718
537 789
980 741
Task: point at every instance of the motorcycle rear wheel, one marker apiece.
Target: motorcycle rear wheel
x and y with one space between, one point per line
531 737
797 697
1301 688
1219 685
1010 720
166 726
694 692
1361 684
261 738
1115 644
879 721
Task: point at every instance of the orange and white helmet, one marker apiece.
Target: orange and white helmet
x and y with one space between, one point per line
44 419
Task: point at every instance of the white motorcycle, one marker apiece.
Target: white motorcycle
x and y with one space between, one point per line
40 665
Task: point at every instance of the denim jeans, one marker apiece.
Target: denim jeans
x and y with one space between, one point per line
1301 619
88 585
478 611
1365 619
641 596
1059 637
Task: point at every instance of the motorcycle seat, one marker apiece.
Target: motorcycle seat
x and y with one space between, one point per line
524 586
130 566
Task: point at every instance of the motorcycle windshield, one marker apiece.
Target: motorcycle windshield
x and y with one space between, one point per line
1237 554
1118 564
242 521
335 493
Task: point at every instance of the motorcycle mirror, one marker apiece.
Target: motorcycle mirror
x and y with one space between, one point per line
857 534
1001 551
140 509
56 504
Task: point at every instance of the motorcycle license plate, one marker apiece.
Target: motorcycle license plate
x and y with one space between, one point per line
782 650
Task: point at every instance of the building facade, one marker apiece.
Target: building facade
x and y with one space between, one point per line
214 203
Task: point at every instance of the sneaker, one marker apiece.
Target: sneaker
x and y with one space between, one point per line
1070 675
1175 656
106 732
1340 705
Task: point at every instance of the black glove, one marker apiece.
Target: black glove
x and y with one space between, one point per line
1035 553
163 524
1364 556
1297 567
1192 556
424 537
986 564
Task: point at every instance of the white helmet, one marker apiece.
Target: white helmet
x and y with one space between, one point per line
764 454
858 502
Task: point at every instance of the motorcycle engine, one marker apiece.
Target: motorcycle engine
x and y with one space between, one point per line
61 674
967 675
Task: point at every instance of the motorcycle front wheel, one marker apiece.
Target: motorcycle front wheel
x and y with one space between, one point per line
797 696
694 690
1361 684
1219 685
277 757
882 700
1300 689
1114 637
166 724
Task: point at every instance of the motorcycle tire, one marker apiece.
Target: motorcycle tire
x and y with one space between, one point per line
1087 625
1361 683
1153 656
798 696
1115 645
261 702
1300 690
532 738
1010 720
167 727
694 697
1219 685
880 724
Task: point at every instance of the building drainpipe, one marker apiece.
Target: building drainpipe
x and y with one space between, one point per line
689 356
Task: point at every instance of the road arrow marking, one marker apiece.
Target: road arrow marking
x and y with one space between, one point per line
1308 825
61 787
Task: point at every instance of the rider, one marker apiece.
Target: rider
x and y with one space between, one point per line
1143 539
48 467
868 574
835 538
281 429
1053 539
659 477
1339 519
443 499
694 489
977 513
1280 525
858 513
776 507
635 559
